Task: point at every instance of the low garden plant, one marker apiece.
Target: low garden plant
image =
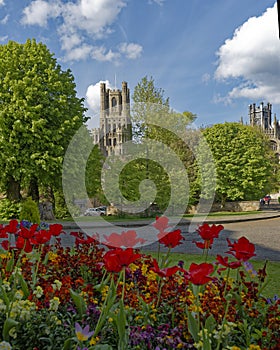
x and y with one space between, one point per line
109 295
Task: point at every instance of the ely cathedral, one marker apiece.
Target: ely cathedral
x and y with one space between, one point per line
261 116
114 125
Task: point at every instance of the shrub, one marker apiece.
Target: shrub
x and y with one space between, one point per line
9 209
29 211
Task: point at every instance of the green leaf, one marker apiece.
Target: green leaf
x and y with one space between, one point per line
79 302
24 287
68 344
193 326
101 347
8 325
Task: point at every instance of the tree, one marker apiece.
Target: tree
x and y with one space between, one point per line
39 114
246 167
164 131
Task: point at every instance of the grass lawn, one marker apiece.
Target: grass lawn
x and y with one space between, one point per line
273 270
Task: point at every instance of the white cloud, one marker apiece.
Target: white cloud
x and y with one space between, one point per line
4 20
93 102
251 58
3 38
82 23
2 2
100 54
39 11
131 50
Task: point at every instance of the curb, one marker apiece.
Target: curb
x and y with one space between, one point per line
216 220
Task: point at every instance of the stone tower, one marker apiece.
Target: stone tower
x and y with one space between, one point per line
115 125
261 116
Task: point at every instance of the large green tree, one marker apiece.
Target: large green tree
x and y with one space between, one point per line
39 114
164 132
246 167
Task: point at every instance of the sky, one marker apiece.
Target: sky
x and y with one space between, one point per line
211 57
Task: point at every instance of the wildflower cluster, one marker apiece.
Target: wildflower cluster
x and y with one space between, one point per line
115 297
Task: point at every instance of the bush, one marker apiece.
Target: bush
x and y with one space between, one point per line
9 209
29 211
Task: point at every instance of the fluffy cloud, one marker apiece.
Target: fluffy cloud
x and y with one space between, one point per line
251 58
93 96
82 23
2 2
39 11
131 50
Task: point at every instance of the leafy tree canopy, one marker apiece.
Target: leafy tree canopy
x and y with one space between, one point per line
246 167
39 114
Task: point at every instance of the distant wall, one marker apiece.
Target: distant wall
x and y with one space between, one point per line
229 206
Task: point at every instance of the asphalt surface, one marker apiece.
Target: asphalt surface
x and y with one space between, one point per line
262 229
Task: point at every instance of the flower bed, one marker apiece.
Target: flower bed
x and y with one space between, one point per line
111 296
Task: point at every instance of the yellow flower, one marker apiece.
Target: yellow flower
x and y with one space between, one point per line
254 347
94 340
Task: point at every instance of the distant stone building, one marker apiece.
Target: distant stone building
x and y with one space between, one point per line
115 125
261 116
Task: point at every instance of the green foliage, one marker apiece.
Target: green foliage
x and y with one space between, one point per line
29 211
39 114
245 165
9 209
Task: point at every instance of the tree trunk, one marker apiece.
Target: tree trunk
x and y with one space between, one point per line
13 189
33 190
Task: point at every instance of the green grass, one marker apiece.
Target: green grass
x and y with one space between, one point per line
273 269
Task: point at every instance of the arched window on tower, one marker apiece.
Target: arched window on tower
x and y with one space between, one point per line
114 102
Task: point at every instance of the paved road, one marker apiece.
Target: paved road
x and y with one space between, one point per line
265 234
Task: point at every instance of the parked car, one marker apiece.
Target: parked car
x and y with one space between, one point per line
99 211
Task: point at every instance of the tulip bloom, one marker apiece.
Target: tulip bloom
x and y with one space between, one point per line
165 272
56 229
12 227
199 273
242 250
224 262
161 223
116 259
208 233
126 239
82 334
171 239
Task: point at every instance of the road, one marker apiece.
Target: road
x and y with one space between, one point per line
265 234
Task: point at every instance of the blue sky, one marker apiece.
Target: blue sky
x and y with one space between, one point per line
211 57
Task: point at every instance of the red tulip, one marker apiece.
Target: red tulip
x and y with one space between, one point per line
171 239
242 250
165 272
224 262
126 239
207 232
116 259
12 227
161 223
199 273
41 237
6 244
56 229
24 244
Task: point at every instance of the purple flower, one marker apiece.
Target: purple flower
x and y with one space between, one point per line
82 334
